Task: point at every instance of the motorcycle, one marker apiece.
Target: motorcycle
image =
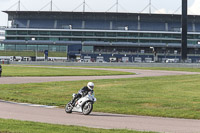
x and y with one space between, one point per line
84 104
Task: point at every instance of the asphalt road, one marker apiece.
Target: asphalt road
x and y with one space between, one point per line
96 120
139 73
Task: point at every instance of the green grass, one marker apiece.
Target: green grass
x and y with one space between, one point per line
14 126
147 68
14 71
167 96
122 67
32 53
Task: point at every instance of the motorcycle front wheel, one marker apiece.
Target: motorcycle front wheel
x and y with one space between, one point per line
68 108
87 108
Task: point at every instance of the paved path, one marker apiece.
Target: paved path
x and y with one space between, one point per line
139 73
96 120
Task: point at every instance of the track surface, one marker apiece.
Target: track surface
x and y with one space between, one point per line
96 120
139 73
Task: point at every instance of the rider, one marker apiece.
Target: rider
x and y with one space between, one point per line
84 91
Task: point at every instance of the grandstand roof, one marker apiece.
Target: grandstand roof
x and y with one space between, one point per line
97 15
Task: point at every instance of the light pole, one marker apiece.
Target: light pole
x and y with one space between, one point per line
184 31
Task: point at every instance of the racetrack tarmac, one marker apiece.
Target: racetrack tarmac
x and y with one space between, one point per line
97 120
138 73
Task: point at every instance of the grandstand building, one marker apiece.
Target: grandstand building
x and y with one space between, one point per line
2 37
100 36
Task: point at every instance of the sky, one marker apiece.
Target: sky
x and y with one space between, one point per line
131 6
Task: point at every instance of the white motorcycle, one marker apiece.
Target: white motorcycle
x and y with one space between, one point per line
84 104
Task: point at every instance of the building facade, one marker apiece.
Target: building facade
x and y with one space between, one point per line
126 37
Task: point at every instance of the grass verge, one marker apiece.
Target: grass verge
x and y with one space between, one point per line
167 96
122 67
147 68
14 126
19 71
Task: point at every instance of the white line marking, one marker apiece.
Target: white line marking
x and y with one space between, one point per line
29 104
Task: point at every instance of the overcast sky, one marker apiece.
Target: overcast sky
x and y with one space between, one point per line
135 6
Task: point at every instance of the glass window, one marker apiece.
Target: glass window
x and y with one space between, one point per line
77 33
133 41
66 33
33 32
2 47
11 38
99 34
89 33
32 47
64 39
111 34
54 38
122 40
132 34
22 32
11 32
123 34
44 32
87 48
144 41
10 47
146 35
43 47
167 35
21 47
176 36
42 38
63 48
76 39
55 33
54 48
190 36
20 38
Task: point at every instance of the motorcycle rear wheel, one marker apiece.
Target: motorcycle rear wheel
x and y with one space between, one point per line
87 108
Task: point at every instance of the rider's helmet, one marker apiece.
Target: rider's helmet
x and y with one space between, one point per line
90 85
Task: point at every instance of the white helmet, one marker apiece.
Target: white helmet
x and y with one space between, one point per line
90 85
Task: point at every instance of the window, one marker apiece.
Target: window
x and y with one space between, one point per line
122 34
42 38
21 47
54 38
99 34
43 32
10 47
55 33
63 48
54 48
22 32
32 47
42 47
11 32
33 32
111 34
89 34
77 33
66 33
